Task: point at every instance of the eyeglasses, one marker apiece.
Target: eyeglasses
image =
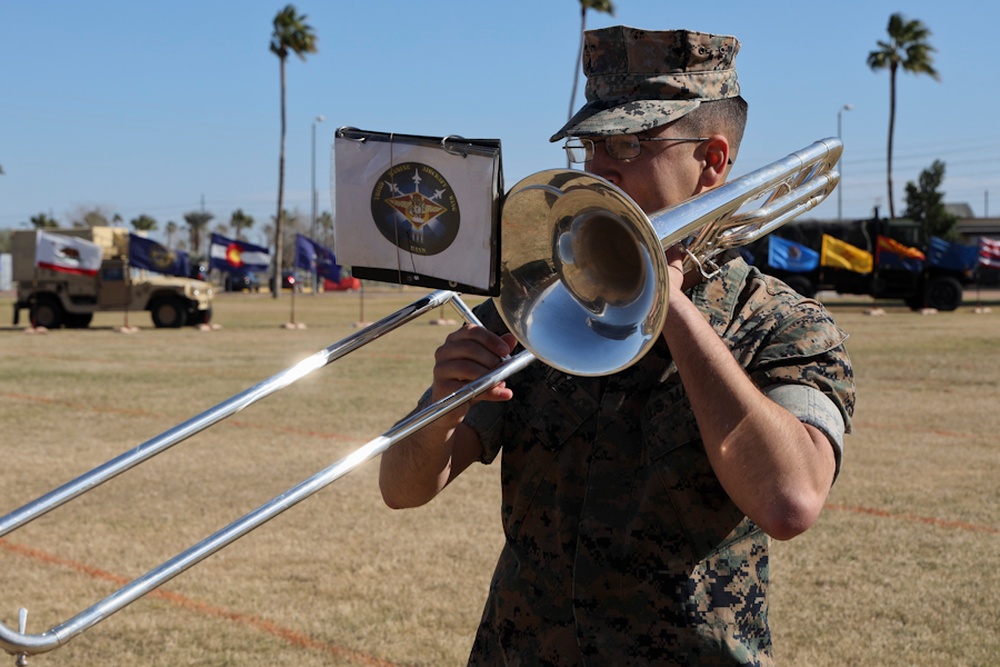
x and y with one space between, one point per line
618 146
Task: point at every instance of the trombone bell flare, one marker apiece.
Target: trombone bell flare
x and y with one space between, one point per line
583 281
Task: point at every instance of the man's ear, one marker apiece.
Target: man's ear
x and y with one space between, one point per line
715 160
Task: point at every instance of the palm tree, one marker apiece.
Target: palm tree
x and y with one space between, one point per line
907 48
605 6
171 230
42 221
240 221
144 223
291 33
196 220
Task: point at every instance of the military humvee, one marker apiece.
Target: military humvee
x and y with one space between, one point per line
55 298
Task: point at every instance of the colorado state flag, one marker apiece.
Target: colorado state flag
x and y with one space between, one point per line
229 254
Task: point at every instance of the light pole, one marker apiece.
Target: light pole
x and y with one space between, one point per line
840 189
319 119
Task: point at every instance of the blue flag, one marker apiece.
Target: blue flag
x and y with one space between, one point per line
229 254
953 256
316 258
147 254
791 256
891 260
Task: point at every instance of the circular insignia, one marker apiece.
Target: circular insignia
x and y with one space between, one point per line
415 208
162 258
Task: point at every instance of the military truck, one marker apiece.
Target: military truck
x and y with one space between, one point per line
934 287
56 298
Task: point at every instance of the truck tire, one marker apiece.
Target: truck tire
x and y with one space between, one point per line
944 293
47 312
169 313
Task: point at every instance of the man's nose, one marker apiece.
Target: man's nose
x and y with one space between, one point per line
601 164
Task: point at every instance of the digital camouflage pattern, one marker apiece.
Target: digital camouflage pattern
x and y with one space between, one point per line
621 546
641 79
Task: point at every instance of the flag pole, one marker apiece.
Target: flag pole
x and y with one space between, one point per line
361 303
292 324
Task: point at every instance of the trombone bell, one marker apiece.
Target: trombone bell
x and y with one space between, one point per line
583 280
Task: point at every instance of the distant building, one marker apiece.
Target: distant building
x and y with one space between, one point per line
971 227
959 210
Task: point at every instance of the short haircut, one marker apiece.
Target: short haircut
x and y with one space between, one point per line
727 116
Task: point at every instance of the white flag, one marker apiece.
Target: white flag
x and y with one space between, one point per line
416 208
68 254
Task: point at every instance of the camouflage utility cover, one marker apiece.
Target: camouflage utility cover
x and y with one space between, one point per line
621 546
641 79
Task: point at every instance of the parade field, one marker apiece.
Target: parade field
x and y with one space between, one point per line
901 568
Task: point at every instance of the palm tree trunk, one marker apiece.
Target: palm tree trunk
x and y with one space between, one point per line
892 130
278 231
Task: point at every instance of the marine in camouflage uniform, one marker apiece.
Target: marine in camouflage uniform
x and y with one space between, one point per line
622 545
622 548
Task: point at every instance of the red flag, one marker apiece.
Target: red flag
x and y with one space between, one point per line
886 244
989 252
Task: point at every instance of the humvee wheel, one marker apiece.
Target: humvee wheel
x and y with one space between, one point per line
47 312
168 313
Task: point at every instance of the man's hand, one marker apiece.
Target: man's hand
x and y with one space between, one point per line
466 355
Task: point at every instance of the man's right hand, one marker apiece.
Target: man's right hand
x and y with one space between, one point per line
466 355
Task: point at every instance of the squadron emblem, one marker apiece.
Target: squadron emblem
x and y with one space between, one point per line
162 258
415 208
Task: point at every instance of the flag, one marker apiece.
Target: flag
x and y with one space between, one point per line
841 255
68 254
952 256
892 254
419 210
315 257
989 252
791 256
147 254
228 255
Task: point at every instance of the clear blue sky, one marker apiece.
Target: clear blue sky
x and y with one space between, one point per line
167 107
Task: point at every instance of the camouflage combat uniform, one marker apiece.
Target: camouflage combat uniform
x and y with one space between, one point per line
621 546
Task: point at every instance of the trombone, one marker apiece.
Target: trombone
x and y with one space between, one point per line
582 268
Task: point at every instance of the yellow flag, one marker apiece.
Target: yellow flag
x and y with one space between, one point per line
840 255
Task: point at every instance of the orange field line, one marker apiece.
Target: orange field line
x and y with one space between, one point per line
293 637
941 523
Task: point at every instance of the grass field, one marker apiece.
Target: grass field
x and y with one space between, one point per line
900 570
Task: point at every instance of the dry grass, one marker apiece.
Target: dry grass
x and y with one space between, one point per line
900 570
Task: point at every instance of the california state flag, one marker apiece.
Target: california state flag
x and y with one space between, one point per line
67 254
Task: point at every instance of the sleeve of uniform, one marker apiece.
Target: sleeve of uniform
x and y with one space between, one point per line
813 407
804 367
